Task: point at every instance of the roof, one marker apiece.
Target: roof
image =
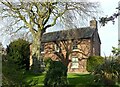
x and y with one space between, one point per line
78 33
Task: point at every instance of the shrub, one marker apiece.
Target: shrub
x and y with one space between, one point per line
14 77
18 51
93 62
15 63
11 75
108 73
56 75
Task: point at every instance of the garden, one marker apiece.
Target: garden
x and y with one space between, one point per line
102 71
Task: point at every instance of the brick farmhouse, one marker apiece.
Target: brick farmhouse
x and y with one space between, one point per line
75 45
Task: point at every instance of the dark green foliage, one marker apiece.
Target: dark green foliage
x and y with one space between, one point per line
14 77
116 51
11 74
19 52
15 63
56 75
104 20
108 73
93 62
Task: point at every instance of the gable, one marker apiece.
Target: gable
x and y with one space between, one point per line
97 37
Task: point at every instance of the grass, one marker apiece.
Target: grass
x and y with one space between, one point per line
39 77
78 80
75 80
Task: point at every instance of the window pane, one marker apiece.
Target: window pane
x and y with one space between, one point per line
42 47
75 46
74 59
75 63
56 48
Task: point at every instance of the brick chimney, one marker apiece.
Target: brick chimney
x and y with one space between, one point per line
93 24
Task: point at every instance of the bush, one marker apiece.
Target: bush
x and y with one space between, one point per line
18 51
11 74
15 63
108 73
56 75
14 77
93 62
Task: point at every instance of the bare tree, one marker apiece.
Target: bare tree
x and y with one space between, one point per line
35 17
66 46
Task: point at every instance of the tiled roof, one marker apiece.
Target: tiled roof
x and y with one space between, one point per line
79 33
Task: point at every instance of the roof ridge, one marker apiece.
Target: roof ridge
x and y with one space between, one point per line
66 30
85 32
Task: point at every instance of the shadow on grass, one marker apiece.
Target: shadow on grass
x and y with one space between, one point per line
39 77
80 80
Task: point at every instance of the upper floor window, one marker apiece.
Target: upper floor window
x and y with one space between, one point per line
42 48
56 48
75 46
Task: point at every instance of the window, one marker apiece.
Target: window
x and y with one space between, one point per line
75 46
56 48
75 63
42 48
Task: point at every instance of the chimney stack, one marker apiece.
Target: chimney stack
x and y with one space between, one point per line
93 24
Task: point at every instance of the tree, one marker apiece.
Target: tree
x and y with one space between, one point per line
116 51
56 75
93 62
104 20
35 17
67 45
18 52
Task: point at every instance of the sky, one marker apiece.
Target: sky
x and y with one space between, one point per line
108 34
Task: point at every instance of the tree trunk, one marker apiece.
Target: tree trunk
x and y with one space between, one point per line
36 55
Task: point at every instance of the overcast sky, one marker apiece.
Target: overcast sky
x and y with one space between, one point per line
109 33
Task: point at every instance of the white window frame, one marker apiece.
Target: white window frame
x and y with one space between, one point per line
75 46
75 63
56 48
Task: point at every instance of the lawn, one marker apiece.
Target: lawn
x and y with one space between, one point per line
78 80
75 80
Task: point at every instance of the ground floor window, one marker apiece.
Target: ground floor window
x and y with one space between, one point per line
75 63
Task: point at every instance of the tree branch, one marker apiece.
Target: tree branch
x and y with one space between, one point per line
55 19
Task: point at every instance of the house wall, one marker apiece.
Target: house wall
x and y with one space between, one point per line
82 53
96 44
86 48
49 51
